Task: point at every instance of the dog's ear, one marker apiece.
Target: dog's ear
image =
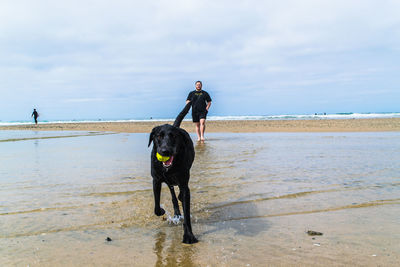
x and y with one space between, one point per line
152 134
183 136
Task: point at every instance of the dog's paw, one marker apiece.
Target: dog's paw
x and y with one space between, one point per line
189 239
178 216
159 211
175 220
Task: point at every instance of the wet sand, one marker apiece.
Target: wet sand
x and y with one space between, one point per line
254 196
348 125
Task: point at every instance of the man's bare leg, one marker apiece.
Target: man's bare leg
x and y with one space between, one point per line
198 130
202 129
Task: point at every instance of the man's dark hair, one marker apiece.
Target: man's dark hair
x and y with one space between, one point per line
199 82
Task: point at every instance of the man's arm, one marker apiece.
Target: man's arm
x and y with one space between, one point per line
208 100
208 106
189 98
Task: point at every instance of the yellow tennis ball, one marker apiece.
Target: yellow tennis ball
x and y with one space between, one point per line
162 158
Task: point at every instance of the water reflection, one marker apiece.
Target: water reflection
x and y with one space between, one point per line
170 251
201 148
226 219
250 194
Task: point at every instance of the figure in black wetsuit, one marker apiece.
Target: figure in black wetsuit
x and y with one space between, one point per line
35 115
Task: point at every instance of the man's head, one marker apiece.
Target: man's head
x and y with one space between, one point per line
198 85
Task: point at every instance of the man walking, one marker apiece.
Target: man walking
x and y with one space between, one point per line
35 115
201 102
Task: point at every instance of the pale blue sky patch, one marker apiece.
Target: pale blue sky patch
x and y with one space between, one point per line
132 59
79 100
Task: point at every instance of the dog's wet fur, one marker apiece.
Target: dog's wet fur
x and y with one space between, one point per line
174 142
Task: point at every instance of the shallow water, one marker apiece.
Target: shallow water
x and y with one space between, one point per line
254 196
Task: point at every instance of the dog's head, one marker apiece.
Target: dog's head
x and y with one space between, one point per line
166 141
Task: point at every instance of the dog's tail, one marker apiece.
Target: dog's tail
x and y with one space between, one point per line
182 115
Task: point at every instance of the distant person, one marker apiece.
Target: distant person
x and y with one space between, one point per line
201 102
35 115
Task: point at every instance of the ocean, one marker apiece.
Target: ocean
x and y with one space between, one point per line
254 197
316 116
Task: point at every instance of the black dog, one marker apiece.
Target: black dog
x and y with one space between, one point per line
171 159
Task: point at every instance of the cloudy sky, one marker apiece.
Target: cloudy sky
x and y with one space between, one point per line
132 59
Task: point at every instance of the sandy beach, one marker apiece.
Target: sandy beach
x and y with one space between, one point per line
234 126
254 197
80 194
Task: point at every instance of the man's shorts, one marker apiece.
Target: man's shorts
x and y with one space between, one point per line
196 116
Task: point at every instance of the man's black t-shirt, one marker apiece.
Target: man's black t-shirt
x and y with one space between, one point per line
199 100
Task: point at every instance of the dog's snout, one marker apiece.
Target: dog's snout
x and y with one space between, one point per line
165 152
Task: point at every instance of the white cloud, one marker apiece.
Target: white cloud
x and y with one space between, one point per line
79 100
102 49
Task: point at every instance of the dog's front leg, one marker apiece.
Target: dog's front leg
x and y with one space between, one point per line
177 213
188 237
157 192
